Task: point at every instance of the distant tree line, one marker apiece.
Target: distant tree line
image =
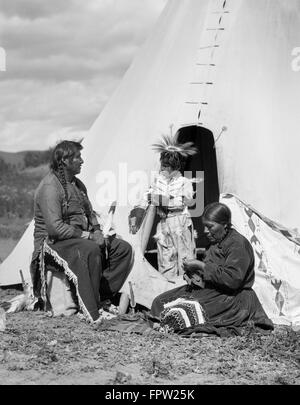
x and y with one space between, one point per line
17 189
31 159
37 158
5 167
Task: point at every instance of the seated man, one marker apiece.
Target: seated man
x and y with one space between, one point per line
70 238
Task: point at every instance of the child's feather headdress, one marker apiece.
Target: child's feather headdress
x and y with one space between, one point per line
170 144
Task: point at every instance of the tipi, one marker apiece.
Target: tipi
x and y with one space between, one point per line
229 67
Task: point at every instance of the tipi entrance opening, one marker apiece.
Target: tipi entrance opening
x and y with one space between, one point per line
203 165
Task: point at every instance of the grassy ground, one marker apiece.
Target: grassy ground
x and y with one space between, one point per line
38 349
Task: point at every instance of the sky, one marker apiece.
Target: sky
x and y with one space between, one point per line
60 61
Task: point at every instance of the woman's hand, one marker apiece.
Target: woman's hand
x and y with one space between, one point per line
193 272
187 279
193 265
194 279
197 280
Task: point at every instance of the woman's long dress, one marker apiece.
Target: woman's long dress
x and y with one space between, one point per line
227 301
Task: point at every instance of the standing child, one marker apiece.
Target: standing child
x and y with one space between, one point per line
172 193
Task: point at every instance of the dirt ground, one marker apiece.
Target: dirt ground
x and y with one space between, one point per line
38 349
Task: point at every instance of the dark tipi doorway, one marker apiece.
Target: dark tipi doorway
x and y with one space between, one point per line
204 161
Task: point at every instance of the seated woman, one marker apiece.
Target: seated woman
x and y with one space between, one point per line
68 237
219 290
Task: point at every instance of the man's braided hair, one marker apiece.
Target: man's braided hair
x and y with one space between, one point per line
67 150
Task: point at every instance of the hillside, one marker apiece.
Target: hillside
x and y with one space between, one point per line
20 174
14 159
24 159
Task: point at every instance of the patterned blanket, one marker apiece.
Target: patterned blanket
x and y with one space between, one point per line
277 256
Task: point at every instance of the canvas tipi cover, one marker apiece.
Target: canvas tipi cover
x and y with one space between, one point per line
227 65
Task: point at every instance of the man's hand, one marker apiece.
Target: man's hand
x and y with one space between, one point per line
98 237
132 225
135 219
